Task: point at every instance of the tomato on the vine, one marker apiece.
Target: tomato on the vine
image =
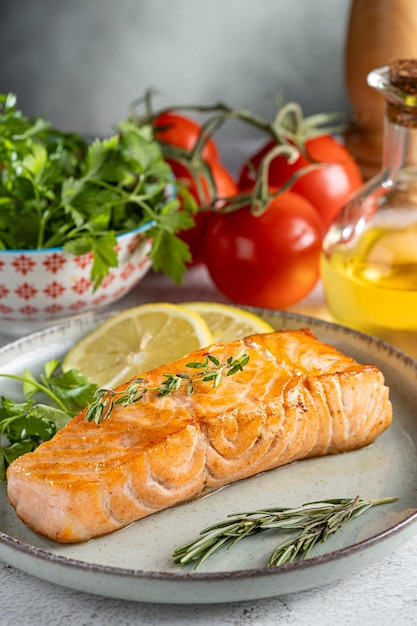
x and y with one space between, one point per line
271 260
181 131
225 187
327 188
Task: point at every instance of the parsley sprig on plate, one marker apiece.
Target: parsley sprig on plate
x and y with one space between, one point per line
58 189
50 401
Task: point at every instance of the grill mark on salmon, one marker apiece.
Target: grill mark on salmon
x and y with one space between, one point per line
296 398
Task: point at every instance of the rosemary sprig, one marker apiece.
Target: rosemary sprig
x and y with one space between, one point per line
315 521
210 370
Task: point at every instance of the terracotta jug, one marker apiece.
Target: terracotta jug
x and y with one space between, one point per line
379 31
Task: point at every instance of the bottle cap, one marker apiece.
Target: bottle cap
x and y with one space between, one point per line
403 75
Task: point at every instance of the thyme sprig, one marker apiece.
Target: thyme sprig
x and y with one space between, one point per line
315 521
210 370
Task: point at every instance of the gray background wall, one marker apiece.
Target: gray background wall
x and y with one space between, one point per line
80 63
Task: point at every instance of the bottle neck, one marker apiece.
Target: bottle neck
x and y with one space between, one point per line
399 148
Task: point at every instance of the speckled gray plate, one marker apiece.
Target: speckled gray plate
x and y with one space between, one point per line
136 563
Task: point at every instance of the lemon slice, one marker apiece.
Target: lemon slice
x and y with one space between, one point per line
227 323
136 340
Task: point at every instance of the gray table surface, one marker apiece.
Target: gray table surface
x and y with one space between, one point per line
382 594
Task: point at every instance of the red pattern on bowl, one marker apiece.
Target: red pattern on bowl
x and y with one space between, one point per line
48 285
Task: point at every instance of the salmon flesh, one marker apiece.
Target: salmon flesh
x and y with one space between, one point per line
296 398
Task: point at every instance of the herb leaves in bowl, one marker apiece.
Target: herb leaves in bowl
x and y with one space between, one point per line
59 189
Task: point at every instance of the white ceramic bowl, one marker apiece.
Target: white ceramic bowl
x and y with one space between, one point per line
40 287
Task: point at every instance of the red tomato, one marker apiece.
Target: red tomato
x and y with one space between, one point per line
327 188
183 132
268 261
225 186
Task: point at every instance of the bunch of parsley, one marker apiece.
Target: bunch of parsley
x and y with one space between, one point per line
58 189
26 424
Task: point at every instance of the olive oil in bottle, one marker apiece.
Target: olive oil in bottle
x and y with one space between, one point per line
374 284
369 259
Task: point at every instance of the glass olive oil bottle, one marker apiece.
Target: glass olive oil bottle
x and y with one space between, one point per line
369 258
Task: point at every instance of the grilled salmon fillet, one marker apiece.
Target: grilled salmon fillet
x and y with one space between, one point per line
296 398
